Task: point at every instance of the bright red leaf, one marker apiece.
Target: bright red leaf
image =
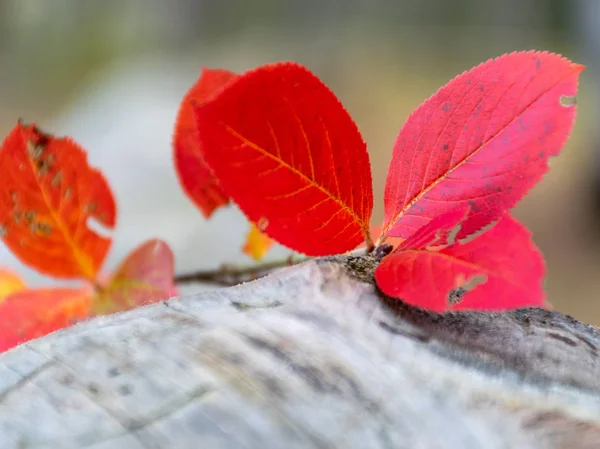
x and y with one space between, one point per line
145 276
285 149
48 195
197 179
498 270
482 140
440 231
30 314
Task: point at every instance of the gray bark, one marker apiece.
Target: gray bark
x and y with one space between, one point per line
309 357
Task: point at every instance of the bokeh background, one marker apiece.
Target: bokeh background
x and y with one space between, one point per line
111 74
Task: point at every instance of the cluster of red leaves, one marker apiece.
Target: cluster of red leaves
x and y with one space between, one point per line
279 143
49 196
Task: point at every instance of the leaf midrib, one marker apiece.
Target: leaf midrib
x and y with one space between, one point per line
364 227
80 258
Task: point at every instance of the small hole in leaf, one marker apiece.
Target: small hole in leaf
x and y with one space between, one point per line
568 100
96 226
476 234
464 286
453 233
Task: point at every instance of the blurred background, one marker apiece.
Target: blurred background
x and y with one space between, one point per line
111 74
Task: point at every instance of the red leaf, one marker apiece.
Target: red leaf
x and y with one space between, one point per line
504 258
48 195
30 314
483 140
287 152
196 178
144 277
439 231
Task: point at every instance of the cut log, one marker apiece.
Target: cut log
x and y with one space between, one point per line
312 356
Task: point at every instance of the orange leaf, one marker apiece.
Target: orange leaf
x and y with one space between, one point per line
9 283
197 179
48 195
257 243
288 153
30 314
144 277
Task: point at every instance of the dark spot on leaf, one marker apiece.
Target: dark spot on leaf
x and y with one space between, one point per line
445 147
44 228
56 180
446 107
93 388
35 150
3 231
456 295
90 208
68 193
44 165
113 372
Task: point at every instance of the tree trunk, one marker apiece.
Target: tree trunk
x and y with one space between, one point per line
309 357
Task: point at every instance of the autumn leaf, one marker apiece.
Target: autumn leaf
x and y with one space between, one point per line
9 283
33 313
195 176
145 276
483 140
257 243
498 270
440 231
48 196
287 152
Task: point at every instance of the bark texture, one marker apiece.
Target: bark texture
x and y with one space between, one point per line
308 357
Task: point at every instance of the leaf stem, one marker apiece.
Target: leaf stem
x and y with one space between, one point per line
229 275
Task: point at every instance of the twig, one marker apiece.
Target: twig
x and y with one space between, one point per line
228 275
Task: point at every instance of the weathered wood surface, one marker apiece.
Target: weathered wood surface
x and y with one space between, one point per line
309 357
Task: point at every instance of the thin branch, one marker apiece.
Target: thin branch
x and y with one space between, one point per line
228 275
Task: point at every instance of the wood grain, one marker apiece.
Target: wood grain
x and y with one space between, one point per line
309 357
